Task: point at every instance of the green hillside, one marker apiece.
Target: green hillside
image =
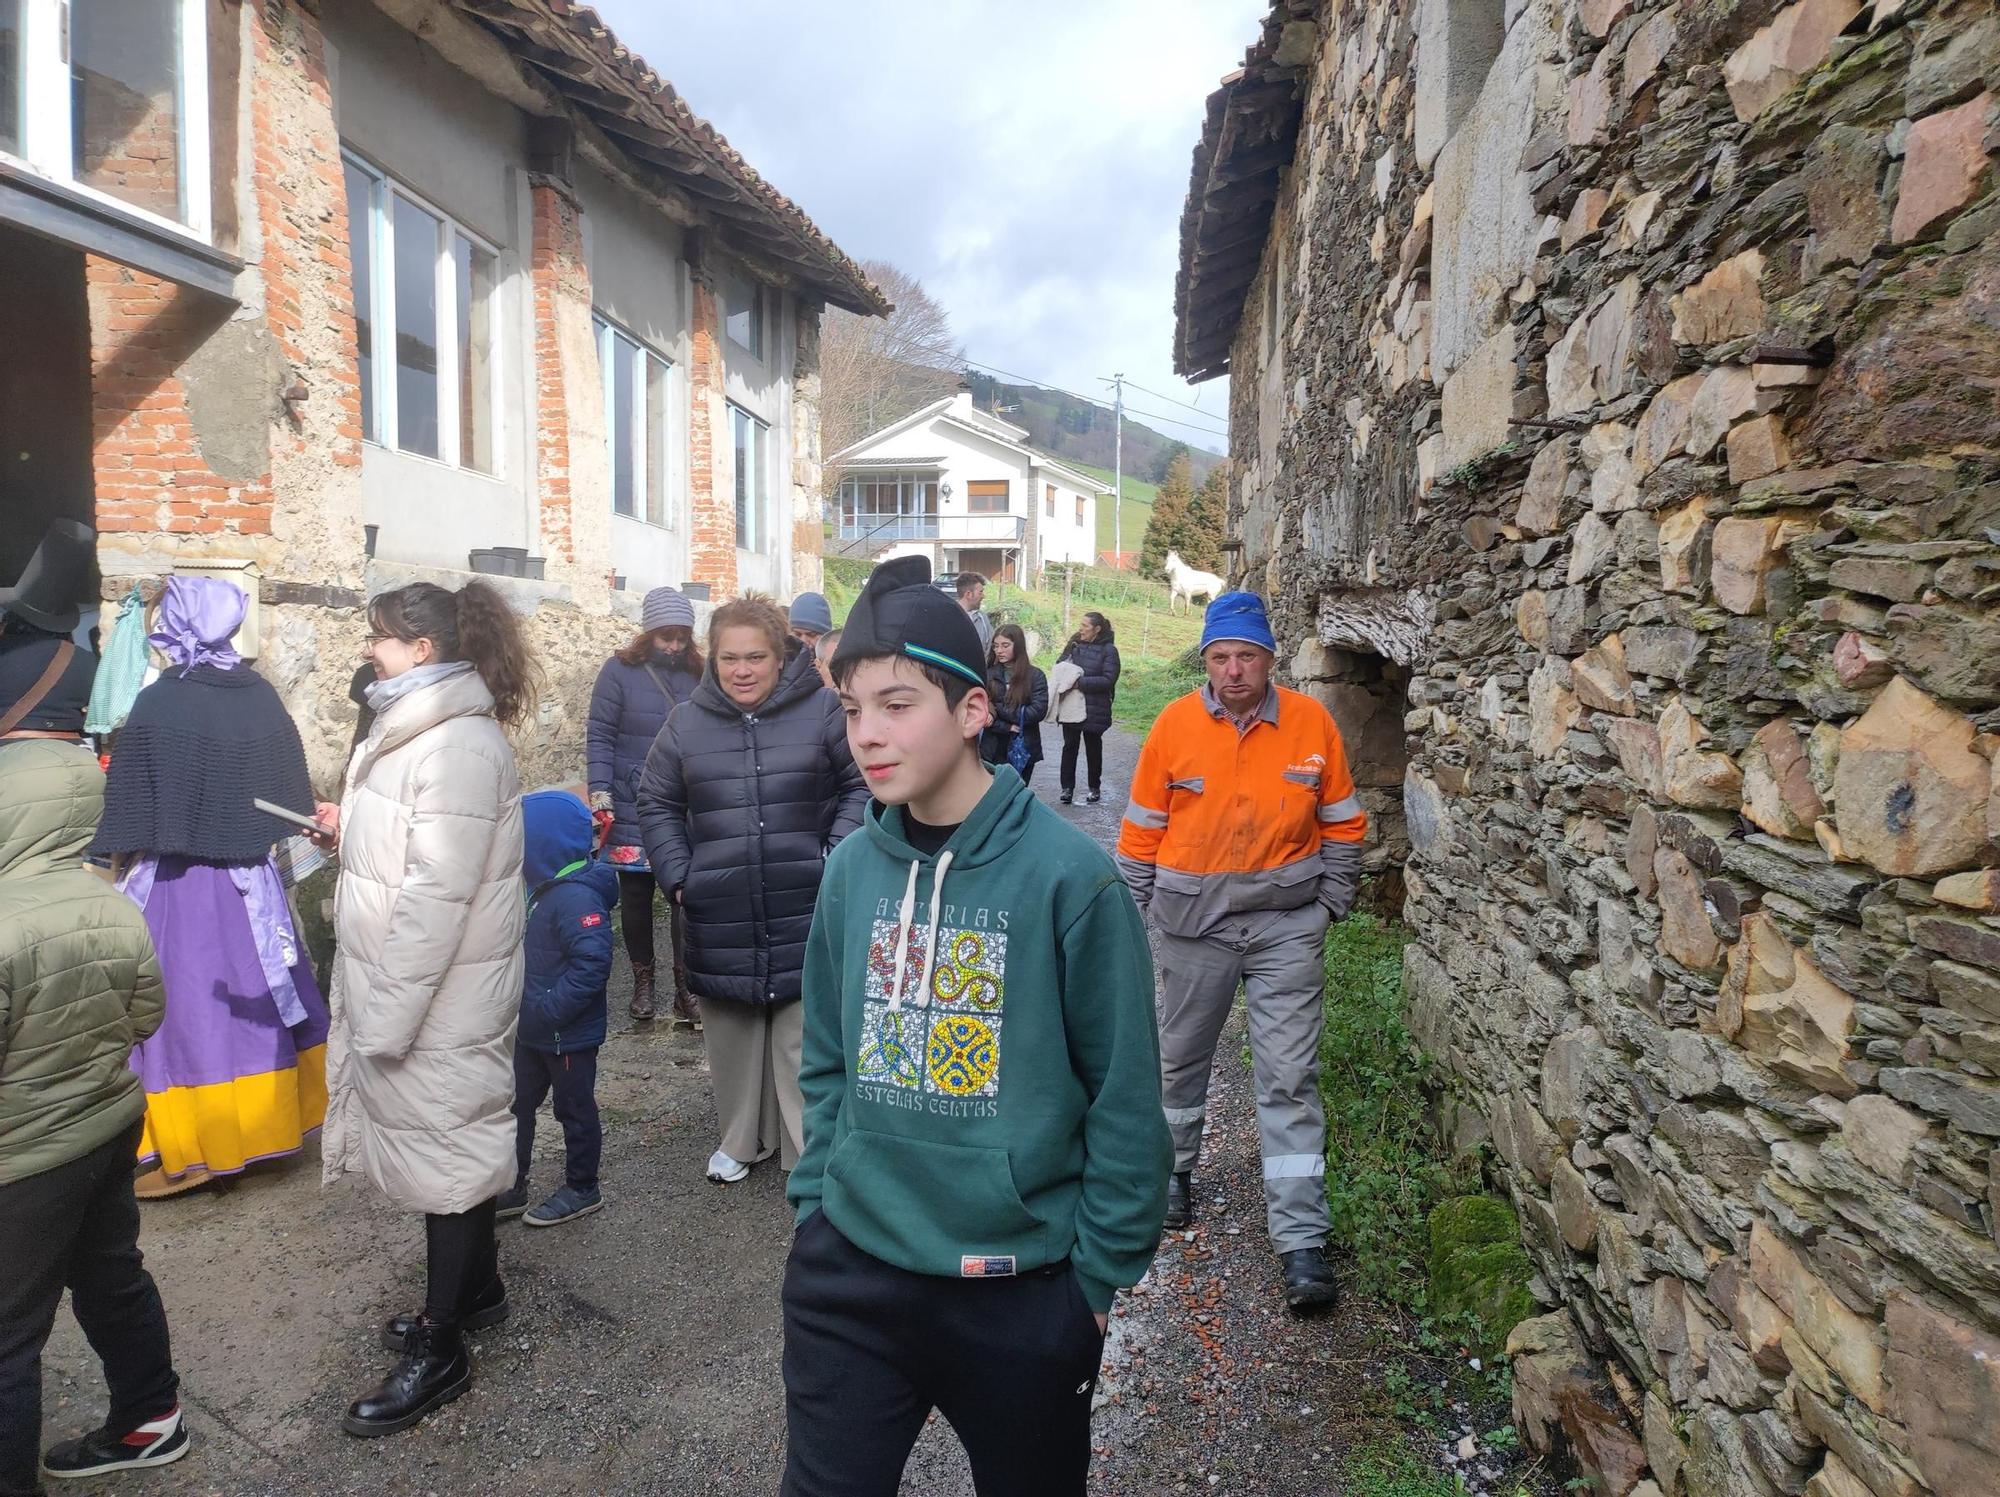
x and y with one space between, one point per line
1138 508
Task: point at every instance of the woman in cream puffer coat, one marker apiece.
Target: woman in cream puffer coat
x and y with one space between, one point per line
429 919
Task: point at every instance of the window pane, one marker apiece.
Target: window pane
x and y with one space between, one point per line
744 313
657 451
474 274
361 250
10 76
622 477
125 100
416 329
749 436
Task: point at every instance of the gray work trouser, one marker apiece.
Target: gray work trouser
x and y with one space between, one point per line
1278 957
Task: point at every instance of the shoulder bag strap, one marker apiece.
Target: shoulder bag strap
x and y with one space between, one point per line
58 663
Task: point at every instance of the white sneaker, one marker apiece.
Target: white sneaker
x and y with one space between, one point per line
726 1171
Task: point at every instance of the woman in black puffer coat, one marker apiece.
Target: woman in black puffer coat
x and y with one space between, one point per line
635 691
748 787
1094 651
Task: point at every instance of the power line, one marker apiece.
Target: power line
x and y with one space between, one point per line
1133 410
1188 405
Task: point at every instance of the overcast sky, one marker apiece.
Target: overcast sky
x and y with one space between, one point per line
1026 162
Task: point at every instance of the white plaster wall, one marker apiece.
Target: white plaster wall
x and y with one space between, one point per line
639 281
763 388
405 109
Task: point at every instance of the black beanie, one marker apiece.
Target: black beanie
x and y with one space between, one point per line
899 612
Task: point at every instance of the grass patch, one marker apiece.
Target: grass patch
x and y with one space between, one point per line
1383 1171
1139 497
1386 1469
1153 641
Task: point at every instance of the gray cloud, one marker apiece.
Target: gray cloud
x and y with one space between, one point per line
1027 162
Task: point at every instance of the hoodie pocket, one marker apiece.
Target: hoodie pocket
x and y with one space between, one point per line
896 1195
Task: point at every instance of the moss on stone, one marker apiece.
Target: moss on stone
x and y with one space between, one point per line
1478 1270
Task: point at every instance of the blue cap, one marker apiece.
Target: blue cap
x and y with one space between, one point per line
1237 616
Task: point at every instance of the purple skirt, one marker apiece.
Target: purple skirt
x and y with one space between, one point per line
227 1081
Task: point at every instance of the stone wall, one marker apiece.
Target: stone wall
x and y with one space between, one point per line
1683 504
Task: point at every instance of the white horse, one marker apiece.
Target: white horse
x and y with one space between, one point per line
1187 584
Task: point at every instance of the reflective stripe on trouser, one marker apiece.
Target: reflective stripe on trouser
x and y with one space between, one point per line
1277 956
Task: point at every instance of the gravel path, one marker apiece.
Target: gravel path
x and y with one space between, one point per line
642 1356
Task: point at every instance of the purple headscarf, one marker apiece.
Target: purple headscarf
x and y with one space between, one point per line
198 616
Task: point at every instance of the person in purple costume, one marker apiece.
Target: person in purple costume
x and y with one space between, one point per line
237 1071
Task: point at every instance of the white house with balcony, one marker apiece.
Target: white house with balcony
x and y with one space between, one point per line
963 485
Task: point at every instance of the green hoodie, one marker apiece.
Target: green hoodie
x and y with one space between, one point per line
997 1109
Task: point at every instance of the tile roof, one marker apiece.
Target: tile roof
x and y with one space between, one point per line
1246 143
570 48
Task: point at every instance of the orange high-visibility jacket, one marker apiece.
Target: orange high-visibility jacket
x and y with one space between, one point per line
1223 822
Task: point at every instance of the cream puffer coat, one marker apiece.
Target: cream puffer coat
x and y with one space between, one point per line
427 980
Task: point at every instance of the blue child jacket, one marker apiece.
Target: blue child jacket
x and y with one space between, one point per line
568 942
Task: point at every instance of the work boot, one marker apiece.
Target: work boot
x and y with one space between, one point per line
687 1009
488 1308
1310 1283
434 1369
642 992
1180 1200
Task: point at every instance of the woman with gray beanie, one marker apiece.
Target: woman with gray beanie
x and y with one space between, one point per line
635 691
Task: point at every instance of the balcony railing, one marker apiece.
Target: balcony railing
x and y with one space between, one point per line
855 533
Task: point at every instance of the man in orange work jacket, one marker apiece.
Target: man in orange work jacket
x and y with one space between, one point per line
1242 840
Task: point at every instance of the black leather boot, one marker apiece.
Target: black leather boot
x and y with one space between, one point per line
435 1368
488 1308
1180 1200
1310 1282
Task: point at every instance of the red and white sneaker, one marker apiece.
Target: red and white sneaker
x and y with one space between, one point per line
157 1442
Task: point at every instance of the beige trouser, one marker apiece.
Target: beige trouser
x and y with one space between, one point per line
753 1059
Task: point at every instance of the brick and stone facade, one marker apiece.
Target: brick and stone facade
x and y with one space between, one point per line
231 431
1614 430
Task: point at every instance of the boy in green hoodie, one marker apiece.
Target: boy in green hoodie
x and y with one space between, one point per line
985 1155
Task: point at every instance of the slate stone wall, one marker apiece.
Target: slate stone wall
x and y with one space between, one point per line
1696 480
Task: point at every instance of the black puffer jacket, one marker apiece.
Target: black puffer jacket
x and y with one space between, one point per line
739 810
628 706
999 736
1098 660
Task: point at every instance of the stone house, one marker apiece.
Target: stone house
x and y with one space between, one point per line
1613 407
964 487
329 296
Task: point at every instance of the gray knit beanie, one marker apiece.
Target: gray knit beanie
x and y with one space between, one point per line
664 608
811 611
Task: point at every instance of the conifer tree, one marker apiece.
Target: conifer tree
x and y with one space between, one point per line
1207 521
1167 530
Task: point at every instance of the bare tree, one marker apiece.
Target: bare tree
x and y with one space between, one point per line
876 370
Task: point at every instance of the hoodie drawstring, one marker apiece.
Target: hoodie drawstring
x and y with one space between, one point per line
907 918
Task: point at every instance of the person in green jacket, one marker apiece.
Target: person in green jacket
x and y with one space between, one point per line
79 987
986 1158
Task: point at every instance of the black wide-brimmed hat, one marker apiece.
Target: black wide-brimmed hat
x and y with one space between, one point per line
55 579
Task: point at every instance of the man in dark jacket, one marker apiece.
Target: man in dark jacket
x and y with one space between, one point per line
568 950
79 987
747 787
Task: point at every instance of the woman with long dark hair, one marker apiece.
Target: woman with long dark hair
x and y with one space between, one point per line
748 787
635 691
1093 649
1020 694
427 978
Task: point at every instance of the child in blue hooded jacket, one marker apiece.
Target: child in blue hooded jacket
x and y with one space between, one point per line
568 943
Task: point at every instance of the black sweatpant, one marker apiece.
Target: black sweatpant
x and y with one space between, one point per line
573 1080
870 1349
77 1227
461 1259
1076 735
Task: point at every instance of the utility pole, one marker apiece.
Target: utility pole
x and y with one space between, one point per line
1117 383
